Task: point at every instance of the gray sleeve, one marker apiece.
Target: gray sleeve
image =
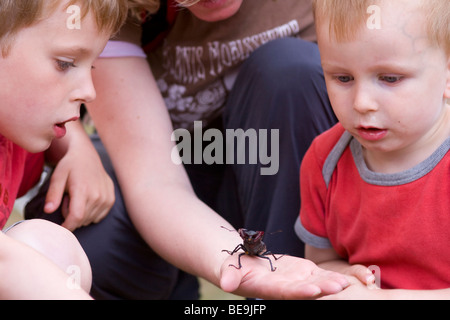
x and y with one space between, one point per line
309 238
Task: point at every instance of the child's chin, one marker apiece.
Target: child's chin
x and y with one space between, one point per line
38 146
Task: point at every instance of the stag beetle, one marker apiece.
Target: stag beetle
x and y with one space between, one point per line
252 246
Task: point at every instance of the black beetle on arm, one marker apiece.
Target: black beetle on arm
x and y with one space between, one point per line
252 246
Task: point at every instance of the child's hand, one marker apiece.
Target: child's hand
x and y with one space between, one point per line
362 285
294 278
362 273
357 290
90 191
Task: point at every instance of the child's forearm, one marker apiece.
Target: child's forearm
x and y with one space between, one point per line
400 294
361 292
328 259
368 291
362 273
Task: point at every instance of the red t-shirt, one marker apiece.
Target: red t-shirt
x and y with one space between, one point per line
399 222
19 171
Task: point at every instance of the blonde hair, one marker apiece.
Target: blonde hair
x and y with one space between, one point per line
18 14
344 15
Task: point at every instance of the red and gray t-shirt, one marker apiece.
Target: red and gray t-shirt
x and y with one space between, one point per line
398 222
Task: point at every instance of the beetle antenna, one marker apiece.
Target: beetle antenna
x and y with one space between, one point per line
278 231
228 229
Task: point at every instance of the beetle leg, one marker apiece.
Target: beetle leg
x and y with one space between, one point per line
273 255
239 246
270 261
239 261
264 256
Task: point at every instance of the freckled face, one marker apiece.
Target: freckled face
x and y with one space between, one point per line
46 76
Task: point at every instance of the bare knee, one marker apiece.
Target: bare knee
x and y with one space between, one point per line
57 244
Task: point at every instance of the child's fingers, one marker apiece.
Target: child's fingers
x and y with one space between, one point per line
363 274
74 213
55 193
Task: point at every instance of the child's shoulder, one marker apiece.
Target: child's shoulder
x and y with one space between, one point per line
325 142
325 150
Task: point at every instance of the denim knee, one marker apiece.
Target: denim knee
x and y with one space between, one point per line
284 63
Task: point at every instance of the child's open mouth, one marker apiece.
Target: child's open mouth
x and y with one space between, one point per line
60 128
371 133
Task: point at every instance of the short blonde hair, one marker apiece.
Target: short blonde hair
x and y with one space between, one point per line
18 14
344 15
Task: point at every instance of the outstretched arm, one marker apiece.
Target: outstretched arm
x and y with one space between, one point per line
134 125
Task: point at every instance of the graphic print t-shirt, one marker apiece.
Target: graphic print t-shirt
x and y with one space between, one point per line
196 63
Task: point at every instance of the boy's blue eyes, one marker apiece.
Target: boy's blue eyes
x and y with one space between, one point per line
388 79
344 79
64 65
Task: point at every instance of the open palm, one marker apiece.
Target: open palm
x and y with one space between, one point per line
294 278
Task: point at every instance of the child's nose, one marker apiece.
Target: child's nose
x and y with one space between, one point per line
85 91
363 100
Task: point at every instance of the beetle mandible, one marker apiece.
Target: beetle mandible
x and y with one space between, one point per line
252 246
